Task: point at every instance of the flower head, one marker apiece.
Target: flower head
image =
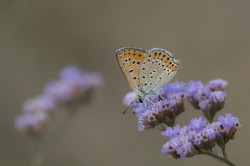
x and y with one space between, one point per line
216 85
32 123
209 98
199 136
228 123
160 108
194 92
179 146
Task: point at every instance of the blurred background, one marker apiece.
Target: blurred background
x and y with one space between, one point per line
39 38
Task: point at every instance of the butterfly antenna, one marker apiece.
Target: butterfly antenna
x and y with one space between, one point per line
128 106
125 110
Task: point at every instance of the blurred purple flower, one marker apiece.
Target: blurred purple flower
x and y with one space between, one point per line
32 123
74 87
59 91
71 73
94 80
38 104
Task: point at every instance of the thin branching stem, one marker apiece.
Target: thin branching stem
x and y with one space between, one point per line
224 160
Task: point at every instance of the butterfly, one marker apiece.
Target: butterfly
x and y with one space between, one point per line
147 71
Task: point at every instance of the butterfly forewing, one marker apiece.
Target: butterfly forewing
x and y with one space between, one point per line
157 69
130 60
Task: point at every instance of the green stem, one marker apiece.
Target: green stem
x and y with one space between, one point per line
224 160
224 152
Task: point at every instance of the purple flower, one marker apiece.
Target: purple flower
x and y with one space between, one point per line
171 88
32 123
160 108
228 121
194 89
59 91
179 147
216 85
199 136
170 147
217 97
197 139
71 73
74 87
209 133
213 104
197 124
227 126
139 109
171 132
186 149
204 104
39 104
210 98
130 98
140 125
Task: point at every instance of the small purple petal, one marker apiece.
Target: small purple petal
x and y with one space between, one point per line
197 124
171 132
194 89
71 73
216 85
217 96
41 103
130 98
228 121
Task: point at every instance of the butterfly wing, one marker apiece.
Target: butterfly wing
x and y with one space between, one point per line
157 69
130 60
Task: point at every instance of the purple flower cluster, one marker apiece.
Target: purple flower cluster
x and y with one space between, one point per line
168 102
199 136
161 108
209 98
74 87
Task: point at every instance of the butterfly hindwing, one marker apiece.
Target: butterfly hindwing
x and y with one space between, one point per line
130 60
157 69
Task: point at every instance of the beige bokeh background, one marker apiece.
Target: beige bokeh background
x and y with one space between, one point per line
39 38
